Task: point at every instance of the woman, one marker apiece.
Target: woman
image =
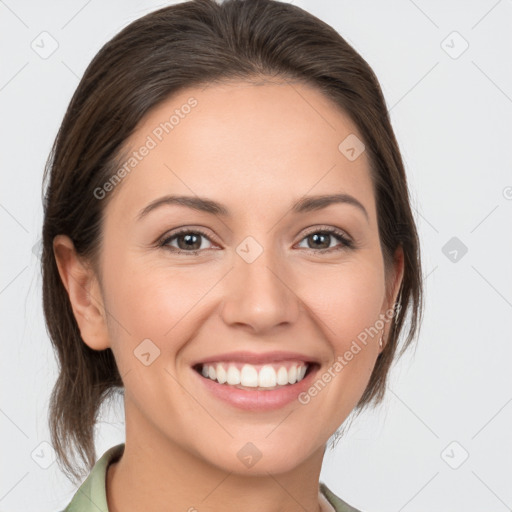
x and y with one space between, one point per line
228 242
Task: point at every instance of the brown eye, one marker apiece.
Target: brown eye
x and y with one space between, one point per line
321 240
188 241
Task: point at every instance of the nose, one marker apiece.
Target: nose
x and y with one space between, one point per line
260 295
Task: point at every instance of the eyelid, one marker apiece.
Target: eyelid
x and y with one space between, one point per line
327 228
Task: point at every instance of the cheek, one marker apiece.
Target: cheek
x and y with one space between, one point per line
347 304
155 302
154 318
347 300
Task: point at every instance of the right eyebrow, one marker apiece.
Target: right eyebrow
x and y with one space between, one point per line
196 203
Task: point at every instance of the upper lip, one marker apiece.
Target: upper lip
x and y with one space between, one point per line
255 358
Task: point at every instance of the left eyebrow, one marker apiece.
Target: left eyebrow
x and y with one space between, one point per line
304 205
311 203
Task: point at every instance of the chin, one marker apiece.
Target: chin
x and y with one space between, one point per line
261 456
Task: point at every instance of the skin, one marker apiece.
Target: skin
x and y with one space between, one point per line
256 149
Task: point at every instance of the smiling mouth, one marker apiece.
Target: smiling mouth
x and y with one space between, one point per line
256 377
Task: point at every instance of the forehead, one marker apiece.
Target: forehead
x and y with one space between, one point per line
265 144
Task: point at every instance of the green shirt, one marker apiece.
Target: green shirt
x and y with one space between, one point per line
91 495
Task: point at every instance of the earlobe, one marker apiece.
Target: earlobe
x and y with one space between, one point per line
391 302
84 293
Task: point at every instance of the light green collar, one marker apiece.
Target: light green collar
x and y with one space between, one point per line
91 495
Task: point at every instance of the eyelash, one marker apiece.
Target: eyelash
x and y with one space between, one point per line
336 233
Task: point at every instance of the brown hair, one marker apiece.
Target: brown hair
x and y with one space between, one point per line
183 45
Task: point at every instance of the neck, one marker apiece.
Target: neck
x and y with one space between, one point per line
154 473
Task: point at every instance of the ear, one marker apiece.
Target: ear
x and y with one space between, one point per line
392 291
84 293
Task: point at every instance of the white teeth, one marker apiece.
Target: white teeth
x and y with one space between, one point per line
282 376
222 376
233 376
266 376
249 376
292 375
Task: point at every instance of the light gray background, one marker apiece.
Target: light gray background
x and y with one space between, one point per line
452 114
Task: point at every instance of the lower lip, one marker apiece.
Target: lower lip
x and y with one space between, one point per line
256 400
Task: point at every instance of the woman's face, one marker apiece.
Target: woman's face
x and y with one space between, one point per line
254 286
